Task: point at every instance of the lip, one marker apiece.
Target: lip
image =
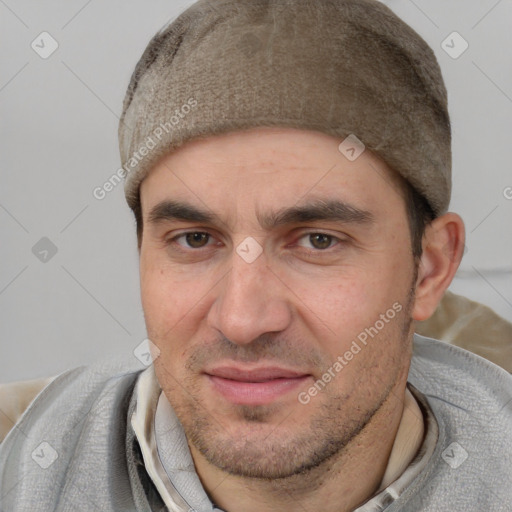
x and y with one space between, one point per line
254 386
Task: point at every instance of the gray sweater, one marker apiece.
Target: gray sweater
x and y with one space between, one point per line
74 448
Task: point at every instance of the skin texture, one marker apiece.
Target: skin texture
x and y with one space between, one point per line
315 287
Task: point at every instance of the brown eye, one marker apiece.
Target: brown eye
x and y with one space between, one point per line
320 240
197 239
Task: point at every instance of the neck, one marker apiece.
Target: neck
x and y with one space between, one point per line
340 484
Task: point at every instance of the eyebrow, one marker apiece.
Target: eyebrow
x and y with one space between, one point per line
316 210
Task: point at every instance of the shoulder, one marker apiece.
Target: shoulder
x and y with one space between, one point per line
79 389
452 375
79 415
471 400
82 387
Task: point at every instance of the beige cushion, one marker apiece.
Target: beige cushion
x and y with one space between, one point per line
15 397
470 325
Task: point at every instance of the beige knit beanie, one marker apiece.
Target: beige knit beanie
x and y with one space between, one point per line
340 67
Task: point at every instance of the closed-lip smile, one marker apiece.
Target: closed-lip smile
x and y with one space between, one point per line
254 386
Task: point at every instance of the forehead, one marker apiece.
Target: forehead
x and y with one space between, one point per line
271 165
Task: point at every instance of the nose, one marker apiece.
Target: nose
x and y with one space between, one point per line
252 301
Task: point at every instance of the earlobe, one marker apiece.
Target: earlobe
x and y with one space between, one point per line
443 244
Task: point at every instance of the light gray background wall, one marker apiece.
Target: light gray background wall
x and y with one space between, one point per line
59 118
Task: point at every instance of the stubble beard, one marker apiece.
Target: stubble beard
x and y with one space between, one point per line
279 452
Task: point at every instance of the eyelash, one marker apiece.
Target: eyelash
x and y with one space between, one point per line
173 240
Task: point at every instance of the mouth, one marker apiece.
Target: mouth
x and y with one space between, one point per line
255 386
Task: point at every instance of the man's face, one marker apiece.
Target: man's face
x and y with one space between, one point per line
298 272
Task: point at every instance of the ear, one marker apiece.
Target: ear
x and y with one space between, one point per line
443 247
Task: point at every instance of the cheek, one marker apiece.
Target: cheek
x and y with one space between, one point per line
164 313
337 309
161 302
333 308
173 304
